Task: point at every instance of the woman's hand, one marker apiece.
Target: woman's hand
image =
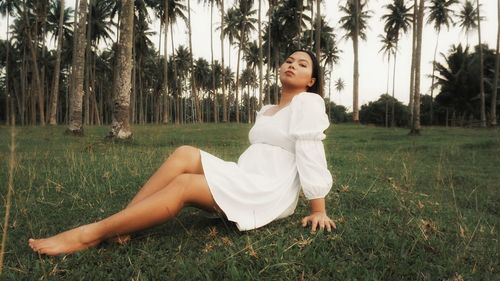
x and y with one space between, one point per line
319 219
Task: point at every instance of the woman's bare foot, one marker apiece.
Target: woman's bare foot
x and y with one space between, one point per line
67 242
120 239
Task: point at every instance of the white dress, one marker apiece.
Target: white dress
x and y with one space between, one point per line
286 152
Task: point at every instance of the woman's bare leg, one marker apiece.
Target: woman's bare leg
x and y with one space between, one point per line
185 159
155 209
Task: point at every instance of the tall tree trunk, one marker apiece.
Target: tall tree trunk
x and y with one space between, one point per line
495 79
355 88
36 73
88 63
261 54
481 69
387 91
120 127
75 114
268 70
432 80
237 103
55 81
299 24
197 116
393 115
72 84
415 130
311 2
413 60
214 92
224 98
318 45
165 65
9 116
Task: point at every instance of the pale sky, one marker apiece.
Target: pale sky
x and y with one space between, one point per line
372 64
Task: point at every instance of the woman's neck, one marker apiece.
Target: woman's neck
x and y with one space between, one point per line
288 94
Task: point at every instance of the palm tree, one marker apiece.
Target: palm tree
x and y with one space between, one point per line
388 49
495 79
75 114
7 9
397 21
467 18
481 68
415 124
354 23
261 55
55 83
197 114
440 13
212 3
339 86
120 127
240 23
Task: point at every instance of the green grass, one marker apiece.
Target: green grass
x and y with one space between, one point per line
407 208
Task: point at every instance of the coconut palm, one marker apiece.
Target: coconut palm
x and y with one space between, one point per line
440 13
120 127
212 3
7 9
75 114
388 49
354 23
339 86
238 26
495 78
55 83
467 18
415 124
481 68
397 22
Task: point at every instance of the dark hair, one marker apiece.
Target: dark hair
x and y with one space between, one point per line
316 88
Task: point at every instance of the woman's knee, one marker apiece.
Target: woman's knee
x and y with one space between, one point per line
186 152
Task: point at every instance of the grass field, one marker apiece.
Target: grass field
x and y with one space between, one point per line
406 208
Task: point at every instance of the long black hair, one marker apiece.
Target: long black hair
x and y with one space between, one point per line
317 87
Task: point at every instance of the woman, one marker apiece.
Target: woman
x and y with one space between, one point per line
286 153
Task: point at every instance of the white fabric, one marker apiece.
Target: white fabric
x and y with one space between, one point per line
286 152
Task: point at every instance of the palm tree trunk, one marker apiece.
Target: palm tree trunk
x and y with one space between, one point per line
165 65
75 114
38 84
413 58
416 101
120 127
387 91
393 115
55 81
237 103
299 24
355 88
495 79
73 60
261 54
9 116
268 70
318 33
214 93
481 70
88 60
197 114
432 80
224 99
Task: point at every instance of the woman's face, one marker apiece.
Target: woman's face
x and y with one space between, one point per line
296 71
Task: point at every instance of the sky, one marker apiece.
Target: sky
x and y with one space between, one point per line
373 67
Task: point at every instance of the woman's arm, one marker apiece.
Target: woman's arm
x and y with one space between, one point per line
318 216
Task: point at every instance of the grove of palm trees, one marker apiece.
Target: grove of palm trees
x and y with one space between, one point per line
59 60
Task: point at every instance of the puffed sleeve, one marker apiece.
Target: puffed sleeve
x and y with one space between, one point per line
307 124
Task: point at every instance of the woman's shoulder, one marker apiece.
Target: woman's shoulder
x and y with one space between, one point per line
308 99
